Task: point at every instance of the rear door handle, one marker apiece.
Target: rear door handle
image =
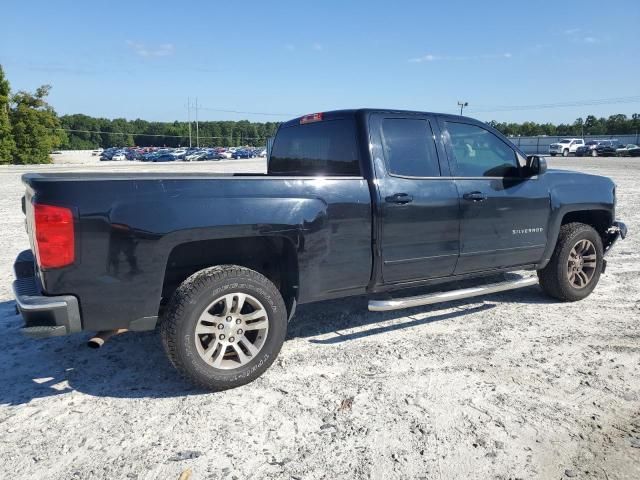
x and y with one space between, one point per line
475 196
399 198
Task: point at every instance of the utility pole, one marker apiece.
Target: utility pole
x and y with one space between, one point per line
197 129
462 105
189 118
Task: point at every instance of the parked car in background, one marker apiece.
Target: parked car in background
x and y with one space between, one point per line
178 154
191 154
608 148
624 151
634 152
215 155
196 156
243 153
588 149
565 146
164 157
97 152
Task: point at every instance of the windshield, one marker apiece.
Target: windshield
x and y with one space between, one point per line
564 141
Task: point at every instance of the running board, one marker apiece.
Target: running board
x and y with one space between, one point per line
399 303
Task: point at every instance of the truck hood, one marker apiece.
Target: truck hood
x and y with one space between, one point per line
579 177
581 185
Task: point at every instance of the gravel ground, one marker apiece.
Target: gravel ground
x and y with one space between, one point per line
513 385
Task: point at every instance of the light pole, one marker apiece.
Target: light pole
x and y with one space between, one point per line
189 118
462 105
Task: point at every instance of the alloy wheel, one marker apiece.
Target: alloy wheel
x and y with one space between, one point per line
582 264
231 331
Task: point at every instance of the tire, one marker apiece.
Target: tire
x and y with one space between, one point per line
196 301
555 277
565 153
594 153
553 154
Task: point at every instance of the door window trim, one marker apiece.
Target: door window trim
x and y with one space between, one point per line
454 164
375 139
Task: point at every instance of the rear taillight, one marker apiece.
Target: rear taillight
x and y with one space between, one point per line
54 236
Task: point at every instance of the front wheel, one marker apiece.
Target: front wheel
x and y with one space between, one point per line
224 327
565 153
576 264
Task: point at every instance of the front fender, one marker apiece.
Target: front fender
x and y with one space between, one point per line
574 197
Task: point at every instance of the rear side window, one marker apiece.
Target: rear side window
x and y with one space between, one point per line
409 147
322 148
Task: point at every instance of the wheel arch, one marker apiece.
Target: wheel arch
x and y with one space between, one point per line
275 257
596 216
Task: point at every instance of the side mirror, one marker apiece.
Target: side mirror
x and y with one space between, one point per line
536 165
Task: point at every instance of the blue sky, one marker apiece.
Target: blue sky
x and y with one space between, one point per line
142 59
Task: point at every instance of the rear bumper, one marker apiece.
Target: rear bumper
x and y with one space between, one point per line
43 316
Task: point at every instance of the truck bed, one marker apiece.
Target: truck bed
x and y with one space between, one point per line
128 225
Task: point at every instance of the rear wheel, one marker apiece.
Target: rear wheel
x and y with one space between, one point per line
224 327
576 264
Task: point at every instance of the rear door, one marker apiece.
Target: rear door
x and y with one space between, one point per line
503 214
418 203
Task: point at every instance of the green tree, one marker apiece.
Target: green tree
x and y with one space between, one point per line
35 127
618 124
7 145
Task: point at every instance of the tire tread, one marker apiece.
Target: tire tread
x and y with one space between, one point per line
550 277
185 294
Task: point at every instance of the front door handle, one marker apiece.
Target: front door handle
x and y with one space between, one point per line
399 198
475 196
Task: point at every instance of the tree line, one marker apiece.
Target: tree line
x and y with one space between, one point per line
85 132
30 129
618 124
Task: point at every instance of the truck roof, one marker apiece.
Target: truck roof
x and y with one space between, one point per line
333 114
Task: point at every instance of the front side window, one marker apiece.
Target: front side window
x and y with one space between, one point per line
409 147
479 153
323 148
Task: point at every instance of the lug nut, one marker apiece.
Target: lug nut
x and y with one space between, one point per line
220 326
231 339
228 319
238 321
222 336
239 331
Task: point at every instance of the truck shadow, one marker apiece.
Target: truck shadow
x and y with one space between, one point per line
334 316
133 365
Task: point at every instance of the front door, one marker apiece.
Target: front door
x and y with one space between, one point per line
503 214
419 207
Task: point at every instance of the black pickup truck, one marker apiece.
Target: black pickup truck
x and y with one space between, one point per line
355 202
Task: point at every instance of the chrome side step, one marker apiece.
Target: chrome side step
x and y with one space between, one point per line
399 303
